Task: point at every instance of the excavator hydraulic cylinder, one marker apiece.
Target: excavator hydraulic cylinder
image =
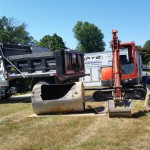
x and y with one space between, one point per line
58 98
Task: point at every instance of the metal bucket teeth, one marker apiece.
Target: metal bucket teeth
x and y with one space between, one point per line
119 111
58 98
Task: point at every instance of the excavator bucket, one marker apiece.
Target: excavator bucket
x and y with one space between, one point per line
58 98
119 110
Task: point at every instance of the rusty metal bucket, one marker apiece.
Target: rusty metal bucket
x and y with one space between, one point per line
58 98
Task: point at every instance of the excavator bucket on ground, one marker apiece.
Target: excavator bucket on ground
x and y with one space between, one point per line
58 98
119 109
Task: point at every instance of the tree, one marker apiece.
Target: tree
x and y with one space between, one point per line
89 37
147 45
141 51
145 52
52 42
11 32
45 41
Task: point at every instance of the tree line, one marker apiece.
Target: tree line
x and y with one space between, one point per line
145 52
89 38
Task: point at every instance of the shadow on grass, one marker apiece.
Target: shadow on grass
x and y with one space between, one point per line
97 110
141 113
16 99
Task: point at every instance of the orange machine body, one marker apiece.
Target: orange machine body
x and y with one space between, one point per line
130 66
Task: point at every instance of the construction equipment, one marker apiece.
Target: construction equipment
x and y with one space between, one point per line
52 76
122 80
118 94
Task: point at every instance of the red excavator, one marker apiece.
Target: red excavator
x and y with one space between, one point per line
122 80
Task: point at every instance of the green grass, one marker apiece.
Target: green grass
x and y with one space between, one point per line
58 132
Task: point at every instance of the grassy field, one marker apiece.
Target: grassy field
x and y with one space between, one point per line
63 132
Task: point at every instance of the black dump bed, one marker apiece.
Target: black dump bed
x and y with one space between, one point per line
19 60
12 50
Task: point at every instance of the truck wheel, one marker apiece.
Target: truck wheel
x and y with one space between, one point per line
6 96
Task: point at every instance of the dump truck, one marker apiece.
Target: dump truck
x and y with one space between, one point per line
53 77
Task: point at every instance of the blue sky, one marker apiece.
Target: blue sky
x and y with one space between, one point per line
46 17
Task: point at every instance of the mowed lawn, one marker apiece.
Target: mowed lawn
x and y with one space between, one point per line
63 132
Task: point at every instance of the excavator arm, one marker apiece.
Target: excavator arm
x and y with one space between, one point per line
117 94
119 106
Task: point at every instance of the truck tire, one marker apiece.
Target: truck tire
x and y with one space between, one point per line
6 96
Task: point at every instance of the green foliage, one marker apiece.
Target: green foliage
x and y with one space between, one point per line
52 42
45 41
11 32
147 45
90 38
145 52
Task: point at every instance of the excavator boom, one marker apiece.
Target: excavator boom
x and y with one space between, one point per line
116 67
119 106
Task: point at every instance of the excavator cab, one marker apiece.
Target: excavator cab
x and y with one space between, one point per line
130 66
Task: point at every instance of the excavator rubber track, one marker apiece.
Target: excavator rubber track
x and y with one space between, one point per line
119 110
58 98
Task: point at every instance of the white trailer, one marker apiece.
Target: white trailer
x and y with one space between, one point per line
93 64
